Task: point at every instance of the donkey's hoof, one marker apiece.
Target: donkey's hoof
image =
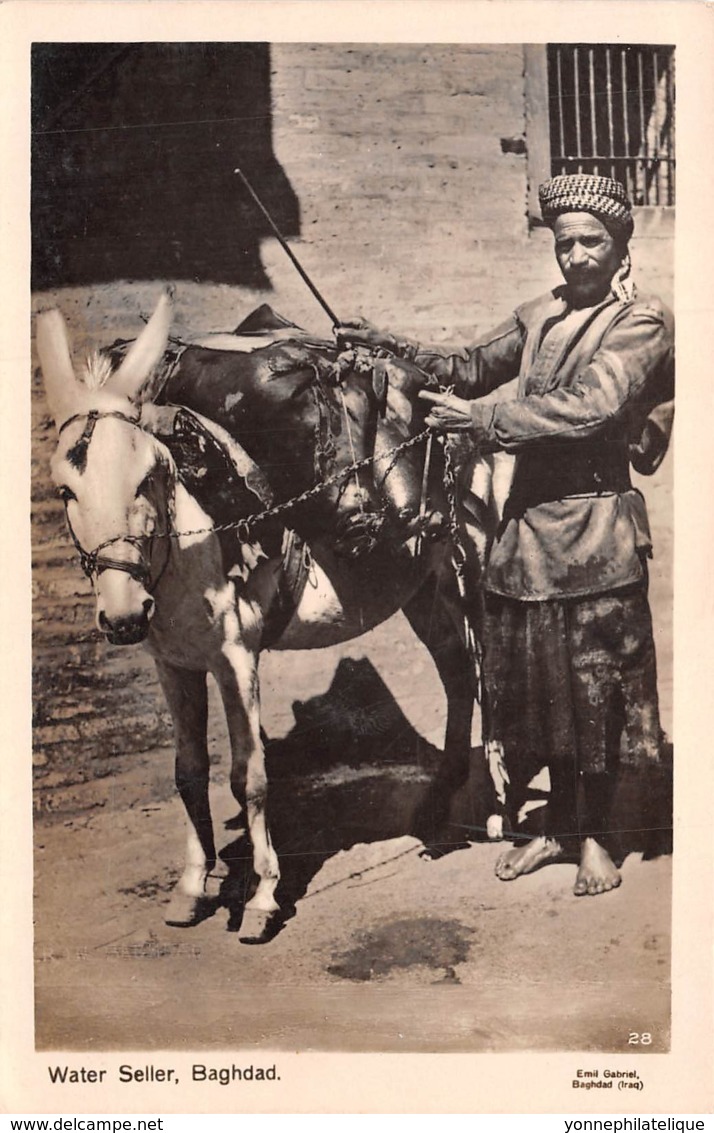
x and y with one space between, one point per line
184 911
258 926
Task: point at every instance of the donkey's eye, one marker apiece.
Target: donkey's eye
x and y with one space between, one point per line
66 494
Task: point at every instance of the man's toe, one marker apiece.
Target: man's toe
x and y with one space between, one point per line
505 870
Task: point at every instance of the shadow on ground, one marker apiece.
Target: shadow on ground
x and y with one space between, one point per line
354 770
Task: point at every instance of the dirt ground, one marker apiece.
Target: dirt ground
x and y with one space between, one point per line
380 949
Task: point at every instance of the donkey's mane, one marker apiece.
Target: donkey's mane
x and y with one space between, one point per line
97 371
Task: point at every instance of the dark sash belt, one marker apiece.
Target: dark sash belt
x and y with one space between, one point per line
556 475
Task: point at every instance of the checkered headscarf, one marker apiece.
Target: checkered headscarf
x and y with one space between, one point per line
584 192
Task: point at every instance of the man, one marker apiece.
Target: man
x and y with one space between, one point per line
569 661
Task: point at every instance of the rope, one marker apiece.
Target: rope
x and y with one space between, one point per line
425 488
459 560
360 502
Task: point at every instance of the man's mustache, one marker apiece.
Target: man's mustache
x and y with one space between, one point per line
582 273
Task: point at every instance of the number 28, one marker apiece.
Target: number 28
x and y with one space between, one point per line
639 1038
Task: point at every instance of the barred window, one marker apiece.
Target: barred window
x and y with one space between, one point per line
605 109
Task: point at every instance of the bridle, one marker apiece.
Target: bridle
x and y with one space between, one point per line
93 563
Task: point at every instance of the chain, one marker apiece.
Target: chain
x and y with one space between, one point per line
91 560
250 521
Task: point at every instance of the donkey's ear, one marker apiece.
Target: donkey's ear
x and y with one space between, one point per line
64 392
132 378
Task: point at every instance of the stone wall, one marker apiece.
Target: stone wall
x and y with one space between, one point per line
411 211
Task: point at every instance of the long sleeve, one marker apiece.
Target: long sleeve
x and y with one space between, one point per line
650 448
477 369
632 353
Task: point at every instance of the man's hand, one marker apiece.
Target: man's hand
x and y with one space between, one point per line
358 332
449 414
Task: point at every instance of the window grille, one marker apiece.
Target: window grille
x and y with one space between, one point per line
611 112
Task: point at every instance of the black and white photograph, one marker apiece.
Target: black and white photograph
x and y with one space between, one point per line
357 724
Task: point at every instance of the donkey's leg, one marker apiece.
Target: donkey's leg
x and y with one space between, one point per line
433 614
238 682
186 696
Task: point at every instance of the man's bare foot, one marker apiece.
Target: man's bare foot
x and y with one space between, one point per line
524 859
597 872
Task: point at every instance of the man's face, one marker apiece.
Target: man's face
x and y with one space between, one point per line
587 256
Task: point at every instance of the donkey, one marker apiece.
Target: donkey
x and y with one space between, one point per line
160 576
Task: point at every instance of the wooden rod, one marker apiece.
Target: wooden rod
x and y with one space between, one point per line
283 244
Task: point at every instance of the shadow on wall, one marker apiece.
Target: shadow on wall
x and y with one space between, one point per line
133 151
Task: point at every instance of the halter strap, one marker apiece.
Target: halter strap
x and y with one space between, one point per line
94 415
93 562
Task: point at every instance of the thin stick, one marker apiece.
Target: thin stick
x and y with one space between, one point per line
283 243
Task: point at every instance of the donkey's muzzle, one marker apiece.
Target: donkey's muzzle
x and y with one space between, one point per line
130 629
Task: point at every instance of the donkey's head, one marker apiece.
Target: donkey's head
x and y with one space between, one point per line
114 477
